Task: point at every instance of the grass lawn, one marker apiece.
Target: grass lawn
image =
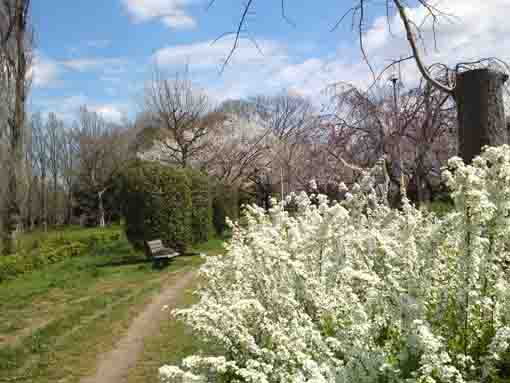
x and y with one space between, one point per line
55 321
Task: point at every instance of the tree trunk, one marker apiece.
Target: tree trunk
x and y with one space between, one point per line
420 173
480 108
55 200
69 209
11 210
28 218
18 64
102 222
44 202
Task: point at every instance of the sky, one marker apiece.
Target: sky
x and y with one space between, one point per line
101 53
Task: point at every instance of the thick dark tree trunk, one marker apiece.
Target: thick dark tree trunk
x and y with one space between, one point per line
17 61
12 211
481 115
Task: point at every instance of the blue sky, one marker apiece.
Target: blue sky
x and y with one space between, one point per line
101 52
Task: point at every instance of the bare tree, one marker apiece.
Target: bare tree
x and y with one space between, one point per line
291 121
69 161
41 162
414 139
180 111
476 87
54 132
102 154
236 148
430 138
15 50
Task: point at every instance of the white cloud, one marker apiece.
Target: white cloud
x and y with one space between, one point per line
179 21
266 67
171 12
110 112
210 55
249 70
87 64
44 72
477 30
67 108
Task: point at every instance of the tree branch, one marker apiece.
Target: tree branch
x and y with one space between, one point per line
417 57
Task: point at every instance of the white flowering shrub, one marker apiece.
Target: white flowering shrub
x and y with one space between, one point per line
358 292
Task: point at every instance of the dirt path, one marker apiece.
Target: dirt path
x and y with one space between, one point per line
114 365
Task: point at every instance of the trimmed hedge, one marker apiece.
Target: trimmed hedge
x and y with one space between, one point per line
157 204
36 250
225 204
202 213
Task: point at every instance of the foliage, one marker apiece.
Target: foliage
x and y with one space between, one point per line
87 202
202 224
37 250
157 204
358 292
225 205
440 208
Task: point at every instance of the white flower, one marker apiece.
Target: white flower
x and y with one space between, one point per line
342 187
358 292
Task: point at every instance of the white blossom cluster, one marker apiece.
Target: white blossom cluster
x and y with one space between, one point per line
359 292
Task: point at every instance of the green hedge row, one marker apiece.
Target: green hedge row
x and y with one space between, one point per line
166 203
36 250
202 212
225 204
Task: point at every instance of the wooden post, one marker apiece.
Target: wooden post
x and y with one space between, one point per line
480 108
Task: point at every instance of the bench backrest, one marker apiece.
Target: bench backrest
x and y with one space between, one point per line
155 246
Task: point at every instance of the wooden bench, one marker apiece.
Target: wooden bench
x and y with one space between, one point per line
160 254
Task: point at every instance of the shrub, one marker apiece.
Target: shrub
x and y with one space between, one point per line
225 205
358 292
201 201
36 250
440 208
157 204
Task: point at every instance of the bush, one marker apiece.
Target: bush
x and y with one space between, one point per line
358 292
440 208
36 250
225 204
157 204
202 223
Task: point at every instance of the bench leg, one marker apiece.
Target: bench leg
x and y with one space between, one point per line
160 263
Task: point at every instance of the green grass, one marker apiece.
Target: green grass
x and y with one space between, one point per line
31 240
55 321
212 247
36 250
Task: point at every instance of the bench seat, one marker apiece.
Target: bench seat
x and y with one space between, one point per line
160 254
